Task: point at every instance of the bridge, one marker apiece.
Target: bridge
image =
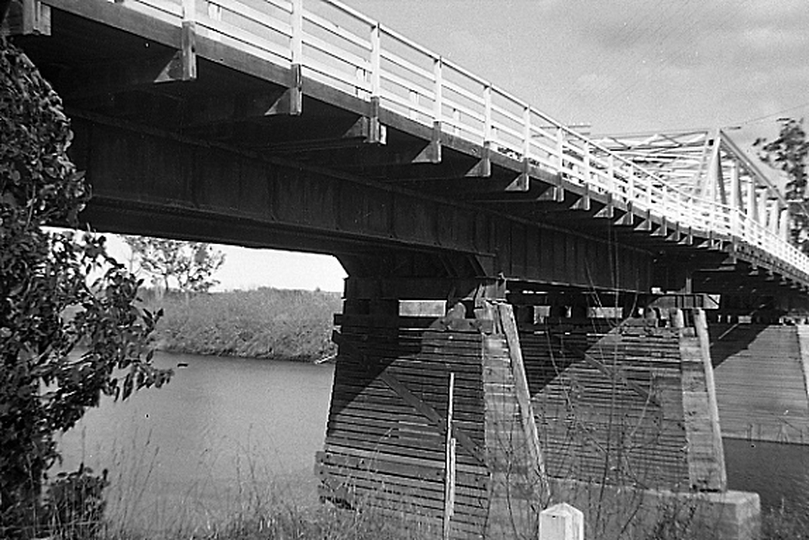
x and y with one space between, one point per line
528 310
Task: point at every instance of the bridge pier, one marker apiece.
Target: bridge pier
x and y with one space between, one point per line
762 377
627 412
410 364
614 415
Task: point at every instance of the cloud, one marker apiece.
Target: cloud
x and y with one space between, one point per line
692 33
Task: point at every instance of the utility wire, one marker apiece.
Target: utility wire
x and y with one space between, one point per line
758 119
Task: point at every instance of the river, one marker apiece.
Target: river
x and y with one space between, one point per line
226 432
223 434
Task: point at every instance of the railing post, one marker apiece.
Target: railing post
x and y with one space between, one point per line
484 167
297 31
523 181
611 173
376 132
560 147
487 114
438 89
587 165
630 185
734 223
432 154
188 40
296 71
376 60
526 132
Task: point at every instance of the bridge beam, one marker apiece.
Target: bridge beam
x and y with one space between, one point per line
172 185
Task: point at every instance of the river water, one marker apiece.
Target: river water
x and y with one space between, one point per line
223 434
227 432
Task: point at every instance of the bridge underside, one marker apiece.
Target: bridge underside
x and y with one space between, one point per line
224 146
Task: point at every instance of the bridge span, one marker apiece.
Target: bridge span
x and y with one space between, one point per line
527 310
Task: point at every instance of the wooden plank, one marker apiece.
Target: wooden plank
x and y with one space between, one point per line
523 394
473 470
394 447
412 400
429 488
426 470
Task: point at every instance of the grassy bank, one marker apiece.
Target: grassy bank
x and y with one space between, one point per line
272 517
284 521
261 323
784 523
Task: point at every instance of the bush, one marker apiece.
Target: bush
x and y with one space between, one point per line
74 505
263 323
45 385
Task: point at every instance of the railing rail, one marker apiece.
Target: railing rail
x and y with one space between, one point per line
337 45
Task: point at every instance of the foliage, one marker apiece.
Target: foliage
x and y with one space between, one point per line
263 323
788 153
47 306
190 265
74 504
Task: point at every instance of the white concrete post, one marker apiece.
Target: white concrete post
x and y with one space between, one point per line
561 522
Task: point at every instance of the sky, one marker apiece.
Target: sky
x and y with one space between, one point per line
620 66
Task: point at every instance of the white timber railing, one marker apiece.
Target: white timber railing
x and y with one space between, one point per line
336 45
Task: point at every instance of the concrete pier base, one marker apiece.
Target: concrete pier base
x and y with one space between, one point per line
625 512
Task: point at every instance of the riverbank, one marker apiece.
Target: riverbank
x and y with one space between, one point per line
261 323
273 517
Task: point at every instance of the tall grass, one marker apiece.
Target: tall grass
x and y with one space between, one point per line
785 523
255 502
261 323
